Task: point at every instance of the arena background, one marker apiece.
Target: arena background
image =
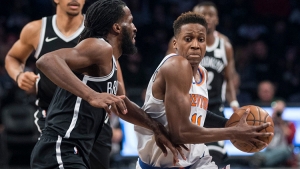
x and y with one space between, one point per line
264 34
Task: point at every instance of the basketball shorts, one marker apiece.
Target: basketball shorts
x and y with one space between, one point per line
40 118
56 153
100 155
203 163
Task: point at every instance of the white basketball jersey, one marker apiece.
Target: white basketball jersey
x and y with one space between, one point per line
148 151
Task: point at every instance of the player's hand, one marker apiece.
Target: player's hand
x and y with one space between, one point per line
109 102
162 139
249 133
26 81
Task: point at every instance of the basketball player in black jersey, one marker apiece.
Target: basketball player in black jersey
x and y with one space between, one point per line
219 62
87 80
61 30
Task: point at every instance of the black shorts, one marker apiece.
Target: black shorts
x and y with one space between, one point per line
100 155
40 119
55 153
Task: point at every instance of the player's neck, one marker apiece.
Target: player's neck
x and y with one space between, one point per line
67 24
115 43
210 38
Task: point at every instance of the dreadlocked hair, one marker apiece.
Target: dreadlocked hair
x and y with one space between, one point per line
188 18
100 17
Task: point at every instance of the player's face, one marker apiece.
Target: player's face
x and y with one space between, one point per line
191 43
70 7
128 33
210 14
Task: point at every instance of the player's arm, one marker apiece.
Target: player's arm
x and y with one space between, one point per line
17 56
171 48
229 76
178 107
139 117
58 66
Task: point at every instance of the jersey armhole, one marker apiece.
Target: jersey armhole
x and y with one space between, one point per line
41 41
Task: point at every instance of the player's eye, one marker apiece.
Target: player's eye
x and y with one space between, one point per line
188 39
201 39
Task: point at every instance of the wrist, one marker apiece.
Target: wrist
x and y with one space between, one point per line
234 103
17 77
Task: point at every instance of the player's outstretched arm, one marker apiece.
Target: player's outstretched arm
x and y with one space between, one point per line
58 66
139 117
16 57
177 102
229 75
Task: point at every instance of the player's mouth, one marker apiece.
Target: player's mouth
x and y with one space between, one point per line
74 5
133 39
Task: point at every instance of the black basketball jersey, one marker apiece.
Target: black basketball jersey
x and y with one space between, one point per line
73 118
51 39
215 61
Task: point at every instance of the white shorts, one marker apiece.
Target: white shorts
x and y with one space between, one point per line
203 163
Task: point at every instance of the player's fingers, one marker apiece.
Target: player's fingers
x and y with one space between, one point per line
112 106
107 108
267 134
258 143
184 147
179 149
163 148
122 96
121 106
174 152
245 115
263 126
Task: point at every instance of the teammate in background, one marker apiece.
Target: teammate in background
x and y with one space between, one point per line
219 63
177 97
61 30
87 80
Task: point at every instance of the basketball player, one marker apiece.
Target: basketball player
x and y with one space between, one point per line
219 63
87 80
61 30
177 97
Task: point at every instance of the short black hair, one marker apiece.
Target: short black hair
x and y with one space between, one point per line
100 17
207 3
187 18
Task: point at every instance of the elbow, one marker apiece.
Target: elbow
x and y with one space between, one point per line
40 63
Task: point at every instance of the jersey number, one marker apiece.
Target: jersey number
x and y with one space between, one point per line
210 78
196 120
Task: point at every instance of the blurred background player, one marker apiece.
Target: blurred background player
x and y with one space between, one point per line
219 63
58 31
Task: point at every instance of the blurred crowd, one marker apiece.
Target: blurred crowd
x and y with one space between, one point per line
264 34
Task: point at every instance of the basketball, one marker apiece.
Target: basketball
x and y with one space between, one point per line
256 117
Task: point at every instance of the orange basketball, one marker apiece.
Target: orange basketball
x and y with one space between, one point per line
257 116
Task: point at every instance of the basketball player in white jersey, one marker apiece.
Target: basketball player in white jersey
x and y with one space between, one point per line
177 97
219 63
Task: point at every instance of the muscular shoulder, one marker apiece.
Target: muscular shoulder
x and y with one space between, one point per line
176 67
227 44
30 34
96 48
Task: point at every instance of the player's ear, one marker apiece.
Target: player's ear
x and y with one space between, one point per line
116 28
56 1
174 43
